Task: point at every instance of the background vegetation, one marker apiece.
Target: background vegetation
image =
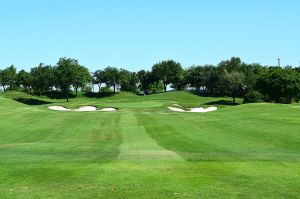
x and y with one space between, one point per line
232 78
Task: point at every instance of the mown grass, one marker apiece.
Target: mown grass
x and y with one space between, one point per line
144 150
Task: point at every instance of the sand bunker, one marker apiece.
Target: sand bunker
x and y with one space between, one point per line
195 110
87 108
58 108
82 109
176 109
107 109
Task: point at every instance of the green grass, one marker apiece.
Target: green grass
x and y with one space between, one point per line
144 150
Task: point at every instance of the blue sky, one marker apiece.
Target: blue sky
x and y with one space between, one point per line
135 34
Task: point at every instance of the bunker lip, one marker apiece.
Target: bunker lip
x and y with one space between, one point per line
83 109
58 108
194 110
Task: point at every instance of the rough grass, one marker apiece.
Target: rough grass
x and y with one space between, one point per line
145 150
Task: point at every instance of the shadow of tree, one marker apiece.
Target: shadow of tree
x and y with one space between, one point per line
98 95
58 95
31 101
222 102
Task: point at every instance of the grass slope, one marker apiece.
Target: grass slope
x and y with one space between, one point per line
147 151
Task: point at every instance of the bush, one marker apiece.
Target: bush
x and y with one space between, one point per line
253 97
106 90
87 89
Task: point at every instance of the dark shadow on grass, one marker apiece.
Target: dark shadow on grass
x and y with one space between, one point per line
31 101
217 102
98 95
222 102
58 95
206 94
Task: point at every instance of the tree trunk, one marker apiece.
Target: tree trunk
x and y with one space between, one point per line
233 100
76 91
99 85
165 87
114 88
67 95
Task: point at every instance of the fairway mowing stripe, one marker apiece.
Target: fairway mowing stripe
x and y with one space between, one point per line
138 145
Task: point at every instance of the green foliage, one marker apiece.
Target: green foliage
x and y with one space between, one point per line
234 64
234 82
169 72
87 88
111 77
43 78
24 79
128 80
253 97
99 78
1 81
8 78
279 84
145 79
199 76
81 78
156 87
106 89
66 71
230 77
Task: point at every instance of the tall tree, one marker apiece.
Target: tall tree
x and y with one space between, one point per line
42 78
234 64
279 84
24 79
214 83
252 72
234 81
81 77
9 77
1 79
111 77
128 80
198 76
99 79
66 72
169 72
145 78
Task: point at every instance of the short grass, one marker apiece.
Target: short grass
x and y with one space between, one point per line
147 151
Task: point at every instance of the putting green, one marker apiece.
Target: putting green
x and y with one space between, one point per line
145 150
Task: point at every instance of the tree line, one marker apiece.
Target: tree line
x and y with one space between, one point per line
254 82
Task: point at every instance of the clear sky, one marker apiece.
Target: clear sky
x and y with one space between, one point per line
135 34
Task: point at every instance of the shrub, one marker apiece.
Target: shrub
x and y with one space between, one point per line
87 89
106 90
253 97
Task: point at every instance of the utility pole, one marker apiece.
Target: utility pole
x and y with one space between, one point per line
278 62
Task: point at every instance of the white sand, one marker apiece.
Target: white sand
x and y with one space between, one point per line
58 108
176 109
86 108
195 110
82 109
108 109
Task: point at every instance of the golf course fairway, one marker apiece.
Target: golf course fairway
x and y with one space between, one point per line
145 150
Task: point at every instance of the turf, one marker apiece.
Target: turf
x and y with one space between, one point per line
144 150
